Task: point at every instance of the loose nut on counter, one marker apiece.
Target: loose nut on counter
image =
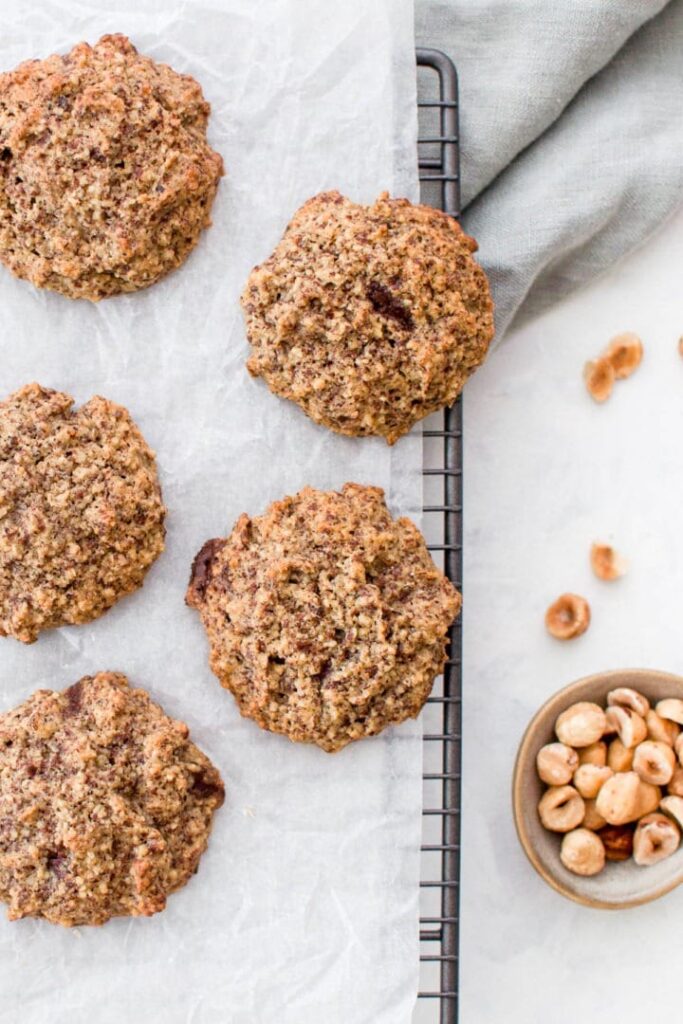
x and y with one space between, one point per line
671 708
661 729
606 563
595 753
678 747
582 852
654 762
599 377
580 725
588 778
629 726
556 764
625 697
568 617
618 841
673 807
591 818
655 838
675 786
624 352
625 797
619 757
561 809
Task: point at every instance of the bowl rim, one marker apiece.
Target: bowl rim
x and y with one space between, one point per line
521 761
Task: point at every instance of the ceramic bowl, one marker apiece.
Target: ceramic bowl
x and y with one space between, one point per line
620 884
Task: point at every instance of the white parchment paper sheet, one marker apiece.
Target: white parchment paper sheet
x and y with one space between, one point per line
305 906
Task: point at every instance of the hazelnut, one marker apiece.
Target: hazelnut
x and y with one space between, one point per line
591 818
599 377
655 838
618 841
661 729
582 852
654 762
625 697
606 563
619 757
588 778
625 797
673 806
596 753
556 763
581 724
629 725
561 809
568 617
678 746
675 784
671 708
624 352
680 345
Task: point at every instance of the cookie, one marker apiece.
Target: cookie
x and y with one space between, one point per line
326 618
106 804
369 317
106 177
81 515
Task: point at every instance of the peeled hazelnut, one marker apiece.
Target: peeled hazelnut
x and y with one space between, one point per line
618 841
568 617
561 809
661 729
671 708
596 753
625 797
582 852
580 724
654 762
675 784
678 747
655 838
556 764
591 818
606 563
624 352
619 757
625 697
673 806
599 377
629 726
588 778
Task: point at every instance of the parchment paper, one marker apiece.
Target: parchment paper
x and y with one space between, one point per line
305 905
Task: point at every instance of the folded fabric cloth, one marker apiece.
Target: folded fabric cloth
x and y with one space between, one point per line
572 134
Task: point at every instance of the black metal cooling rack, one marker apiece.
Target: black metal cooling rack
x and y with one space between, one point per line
439 165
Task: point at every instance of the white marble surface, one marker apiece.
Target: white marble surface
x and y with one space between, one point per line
547 472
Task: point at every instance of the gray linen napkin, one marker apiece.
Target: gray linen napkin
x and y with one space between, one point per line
572 134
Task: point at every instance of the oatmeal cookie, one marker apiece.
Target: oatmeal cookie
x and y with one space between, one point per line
327 619
106 177
106 804
369 317
81 515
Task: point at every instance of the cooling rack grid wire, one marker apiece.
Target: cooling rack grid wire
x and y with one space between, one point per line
438 158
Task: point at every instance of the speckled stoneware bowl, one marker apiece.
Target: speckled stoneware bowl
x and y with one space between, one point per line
621 884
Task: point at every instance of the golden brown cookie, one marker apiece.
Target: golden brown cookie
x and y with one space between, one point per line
369 317
106 177
81 515
327 619
106 804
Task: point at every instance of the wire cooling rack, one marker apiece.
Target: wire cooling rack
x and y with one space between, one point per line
438 158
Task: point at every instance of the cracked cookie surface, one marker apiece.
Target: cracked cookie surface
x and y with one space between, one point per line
106 177
327 619
106 805
369 317
81 515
